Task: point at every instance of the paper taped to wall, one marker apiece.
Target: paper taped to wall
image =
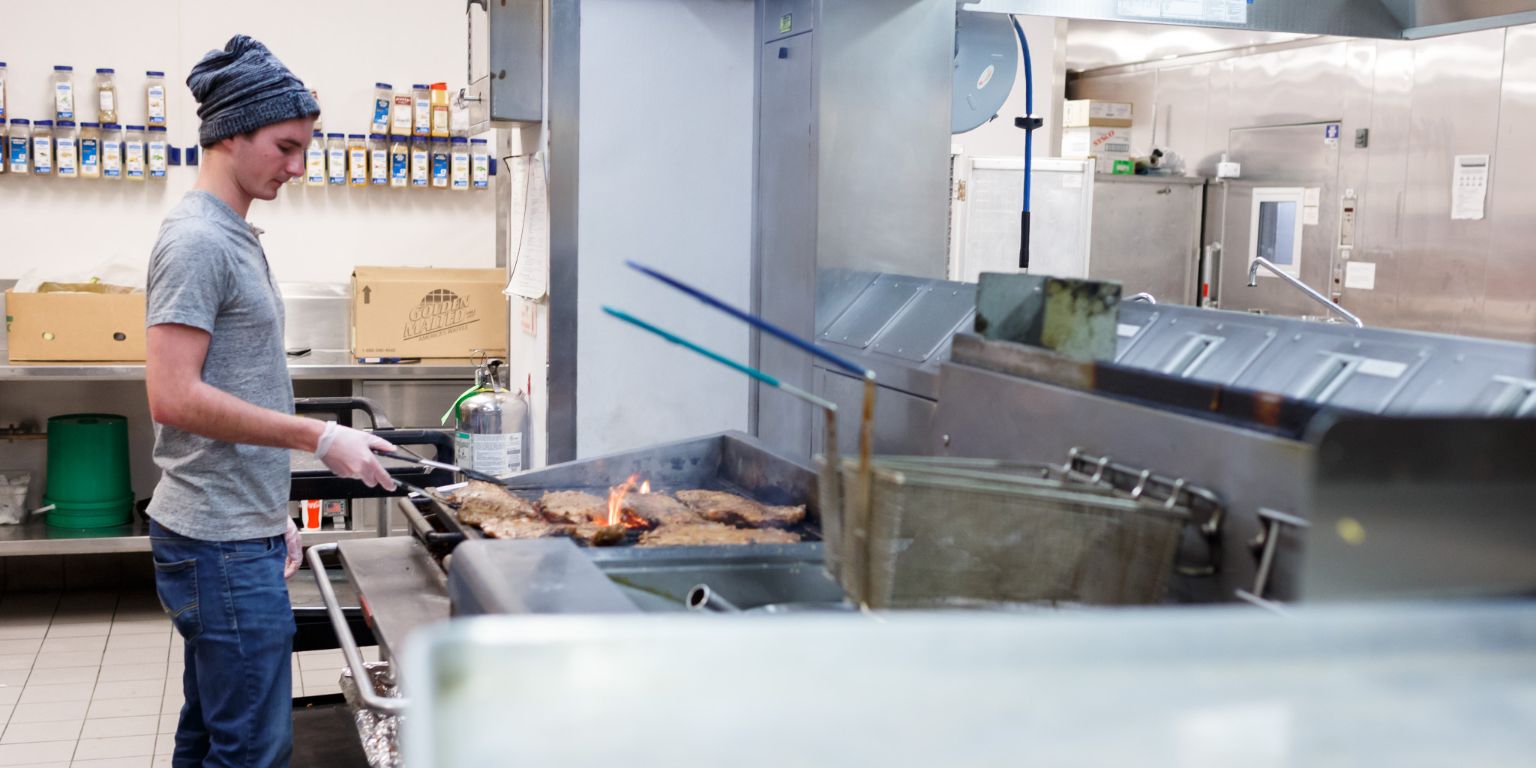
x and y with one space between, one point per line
529 245
1360 275
1469 187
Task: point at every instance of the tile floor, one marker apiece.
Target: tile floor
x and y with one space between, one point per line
94 679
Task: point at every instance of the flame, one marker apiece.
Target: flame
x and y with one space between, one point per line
645 487
616 500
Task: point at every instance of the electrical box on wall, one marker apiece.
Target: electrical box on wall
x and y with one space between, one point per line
506 61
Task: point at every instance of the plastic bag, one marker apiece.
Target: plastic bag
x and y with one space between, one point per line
114 275
13 495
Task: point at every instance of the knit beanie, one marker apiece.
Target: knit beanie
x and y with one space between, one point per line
245 87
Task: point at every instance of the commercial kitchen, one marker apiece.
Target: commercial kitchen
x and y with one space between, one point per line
812 382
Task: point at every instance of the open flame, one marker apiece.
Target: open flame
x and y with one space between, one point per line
617 514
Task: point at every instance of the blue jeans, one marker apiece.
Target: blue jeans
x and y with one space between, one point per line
230 604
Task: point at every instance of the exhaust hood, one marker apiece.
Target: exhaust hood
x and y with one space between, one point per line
1391 19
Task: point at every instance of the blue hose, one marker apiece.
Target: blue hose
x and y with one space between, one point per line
1029 141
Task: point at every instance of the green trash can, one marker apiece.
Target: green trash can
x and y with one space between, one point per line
88 480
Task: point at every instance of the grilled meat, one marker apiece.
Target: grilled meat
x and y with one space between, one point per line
660 509
599 535
574 507
712 534
524 528
731 509
479 502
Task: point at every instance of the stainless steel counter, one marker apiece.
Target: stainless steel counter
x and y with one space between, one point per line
320 364
35 537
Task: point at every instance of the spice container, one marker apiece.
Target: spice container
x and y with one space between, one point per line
5 146
63 93
320 118
157 149
458 164
66 152
112 152
2 96
421 111
106 95
18 148
335 159
479 164
314 161
357 160
378 160
42 148
133 152
90 150
440 163
383 101
421 163
400 117
399 163
440 126
154 98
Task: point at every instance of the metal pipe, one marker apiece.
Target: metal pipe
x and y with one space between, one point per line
1253 280
349 650
702 598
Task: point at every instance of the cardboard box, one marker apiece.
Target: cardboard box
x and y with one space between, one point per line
75 327
1079 143
1083 113
426 312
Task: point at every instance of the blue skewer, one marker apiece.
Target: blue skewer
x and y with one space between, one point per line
754 321
721 359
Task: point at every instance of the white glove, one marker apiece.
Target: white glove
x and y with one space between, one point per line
349 453
295 550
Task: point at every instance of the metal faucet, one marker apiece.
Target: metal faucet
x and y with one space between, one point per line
1144 296
1253 280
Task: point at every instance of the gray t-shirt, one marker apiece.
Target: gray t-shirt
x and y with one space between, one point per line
208 271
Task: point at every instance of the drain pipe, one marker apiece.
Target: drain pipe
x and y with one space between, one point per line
702 598
1029 123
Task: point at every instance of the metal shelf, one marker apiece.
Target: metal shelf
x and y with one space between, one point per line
321 364
35 537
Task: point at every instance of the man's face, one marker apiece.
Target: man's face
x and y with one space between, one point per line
268 157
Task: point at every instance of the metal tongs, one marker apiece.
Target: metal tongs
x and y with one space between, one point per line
411 458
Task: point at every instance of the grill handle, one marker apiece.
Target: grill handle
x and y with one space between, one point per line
349 650
342 408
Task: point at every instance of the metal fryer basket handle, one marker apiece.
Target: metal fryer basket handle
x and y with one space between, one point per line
349 650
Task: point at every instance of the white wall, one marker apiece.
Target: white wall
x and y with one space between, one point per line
999 138
666 179
340 48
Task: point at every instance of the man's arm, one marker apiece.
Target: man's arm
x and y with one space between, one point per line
178 397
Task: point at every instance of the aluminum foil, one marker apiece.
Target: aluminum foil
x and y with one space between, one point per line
379 733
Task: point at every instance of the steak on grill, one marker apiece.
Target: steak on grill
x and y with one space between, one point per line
479 502
660 509
731 509
713 534
524 528
574 507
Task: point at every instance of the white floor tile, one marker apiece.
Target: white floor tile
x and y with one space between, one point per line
17 660
23 631
47 694
14 677
115 762
128 689
135 656
146 640
21 645
321 690
68 644
161 761
28 733
107 727
142 627
83 629
165 743
171 705
115 746
81 617
11 694
43 713
168 723
118 672
41 752
63 675
147 705
321 660
67 659
5 712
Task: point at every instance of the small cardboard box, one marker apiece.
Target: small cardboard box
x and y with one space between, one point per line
426 312
1083 113
1077 143
75 327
